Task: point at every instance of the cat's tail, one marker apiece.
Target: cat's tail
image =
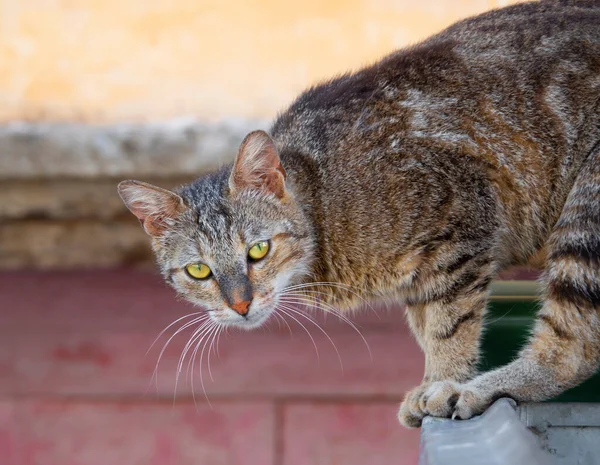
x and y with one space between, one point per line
564 348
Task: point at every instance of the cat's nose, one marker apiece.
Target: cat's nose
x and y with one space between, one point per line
237 292
241 307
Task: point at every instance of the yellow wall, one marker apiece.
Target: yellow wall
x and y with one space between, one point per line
108 60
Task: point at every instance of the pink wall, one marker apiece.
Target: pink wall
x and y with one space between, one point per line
75 383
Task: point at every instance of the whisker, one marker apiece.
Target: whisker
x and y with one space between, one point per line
200 367
332 284
193 364
210 349
307 332
278 323
295 286
160 355
167 327
320 328
327 309
196 336
280 318
198 333
500 317
221 331
182 328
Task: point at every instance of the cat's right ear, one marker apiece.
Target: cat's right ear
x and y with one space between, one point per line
156 208
257 166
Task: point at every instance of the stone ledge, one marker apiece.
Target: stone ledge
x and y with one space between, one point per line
69 244
178 147
59 207
61 199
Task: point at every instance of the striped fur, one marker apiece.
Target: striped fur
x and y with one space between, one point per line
418 179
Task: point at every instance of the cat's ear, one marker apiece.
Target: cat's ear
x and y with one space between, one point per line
258 166
156 208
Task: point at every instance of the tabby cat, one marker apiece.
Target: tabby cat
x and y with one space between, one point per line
418 178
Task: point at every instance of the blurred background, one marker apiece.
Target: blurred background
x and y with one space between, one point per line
96 91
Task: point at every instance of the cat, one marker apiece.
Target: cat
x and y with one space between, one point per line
418 178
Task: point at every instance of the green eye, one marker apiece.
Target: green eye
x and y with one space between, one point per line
198 271
258 250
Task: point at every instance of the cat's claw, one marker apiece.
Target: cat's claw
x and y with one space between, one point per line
471 402
444 399
411 414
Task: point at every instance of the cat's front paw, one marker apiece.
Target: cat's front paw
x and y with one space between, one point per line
472 401
444 399
437 399
410 413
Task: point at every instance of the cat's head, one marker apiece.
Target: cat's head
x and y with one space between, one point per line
231 241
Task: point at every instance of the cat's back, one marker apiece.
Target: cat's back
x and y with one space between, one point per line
500 107
524 25
496 59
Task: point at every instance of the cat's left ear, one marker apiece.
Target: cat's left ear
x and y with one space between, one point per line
156 208
258 166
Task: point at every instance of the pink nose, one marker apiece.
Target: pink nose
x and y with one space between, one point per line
241 307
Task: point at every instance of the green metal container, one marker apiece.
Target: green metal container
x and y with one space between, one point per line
510 318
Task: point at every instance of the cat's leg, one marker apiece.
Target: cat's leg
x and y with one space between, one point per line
565 346
448 332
